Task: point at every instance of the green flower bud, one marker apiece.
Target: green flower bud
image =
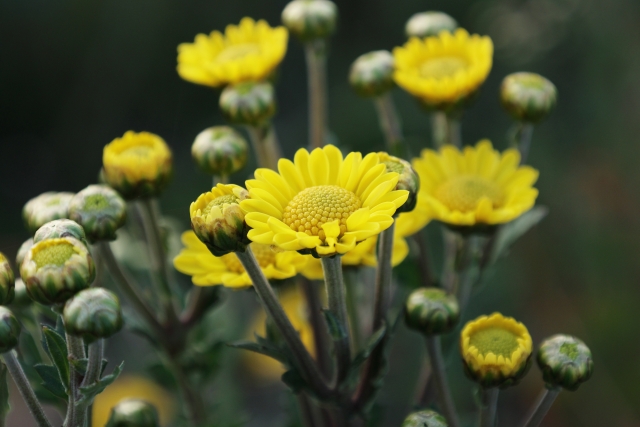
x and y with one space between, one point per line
427 24
408 179
425 418
93 313
21 296
100 210
310 19
9 330
565 362
133 413
56 269
24 248
372 73
44 208
58 229
220 150
527 96
431 311
7 281
248 103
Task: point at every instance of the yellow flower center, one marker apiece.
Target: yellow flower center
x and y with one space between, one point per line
238 51
315 206
463 193
219 201
137 152
264 254
445 66
498 341
96 202
56 254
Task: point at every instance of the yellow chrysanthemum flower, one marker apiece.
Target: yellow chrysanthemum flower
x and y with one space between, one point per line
321 202
246 52
477 185
208 270
495 350
443 69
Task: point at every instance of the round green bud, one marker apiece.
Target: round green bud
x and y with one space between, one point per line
220 151
565 362
24 248
527 96
372 73
93 313
310 19
426 418
248 103
7 281
44 208
100 210
56 269
9 330
408 179
133 413
60 228
431 311
427 24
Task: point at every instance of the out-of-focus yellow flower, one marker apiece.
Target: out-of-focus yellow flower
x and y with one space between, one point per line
321 202
246 52
444 69
476 186
131 386
207 270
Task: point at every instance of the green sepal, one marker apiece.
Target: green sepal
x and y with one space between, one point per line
510 232
88 393
56 347
51 380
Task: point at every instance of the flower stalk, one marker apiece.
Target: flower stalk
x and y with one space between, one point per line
439 375
383 276
75 416
446 129
265 144
389 122
542 406
489 407
315 53
522 134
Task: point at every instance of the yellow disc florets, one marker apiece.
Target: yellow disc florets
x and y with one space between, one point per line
463 193
498 341
53 252
219 202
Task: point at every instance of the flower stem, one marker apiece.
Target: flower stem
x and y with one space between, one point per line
389 122
265 144
489 407
75 416
317 82
352 286
426 274
538 412
434 348
383 276
303 360
522 135
445 129
337 298
22 383
317 323
94 368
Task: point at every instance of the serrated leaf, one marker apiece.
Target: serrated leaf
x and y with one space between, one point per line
56 347
336 329
79 365
51 380
4 393
88 393
270 351
512 231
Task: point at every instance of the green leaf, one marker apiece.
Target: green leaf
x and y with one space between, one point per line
293 379
56 346
512 231
336 329
51 380
88 393
373 341
4 393
79 365
267 350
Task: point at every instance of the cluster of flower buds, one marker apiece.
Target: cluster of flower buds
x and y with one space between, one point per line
44 208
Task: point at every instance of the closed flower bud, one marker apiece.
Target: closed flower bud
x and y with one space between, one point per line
56 269
58 229
218 221
24 248
565 362
310 19
137 165
7 281
133 413
9 330
44 208
248 103
427 24
220 151
93 313
407 180
527 96
100 210
426 418
372 73
21 296
431 311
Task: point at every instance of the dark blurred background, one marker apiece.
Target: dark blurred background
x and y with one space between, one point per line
75 74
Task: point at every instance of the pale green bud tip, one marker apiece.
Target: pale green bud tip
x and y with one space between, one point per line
431 311
9 330
7 281
427 24
44 208
248 103
24 248
425 418
372 73
21 296
93 314
133 413
310 19
60 228
527 96
408 179
220 151
565 362
100 210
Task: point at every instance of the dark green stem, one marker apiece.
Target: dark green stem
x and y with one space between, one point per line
94 368
446 129
445 401
489 407
317 83
75 416
265 144
426 272
383 276
541 408
522 135
389 122
317 323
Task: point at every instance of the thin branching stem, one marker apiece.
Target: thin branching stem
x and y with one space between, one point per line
542 406
317 83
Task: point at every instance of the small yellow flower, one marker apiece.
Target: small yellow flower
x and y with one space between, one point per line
495 350
137 165
444 69
476 186
207 270
322 203
246 52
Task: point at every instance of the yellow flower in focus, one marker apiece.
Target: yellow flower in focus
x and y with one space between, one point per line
137 165
444 69
294 305
321 202
476 186
246 52
207 270
130 386
495 350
